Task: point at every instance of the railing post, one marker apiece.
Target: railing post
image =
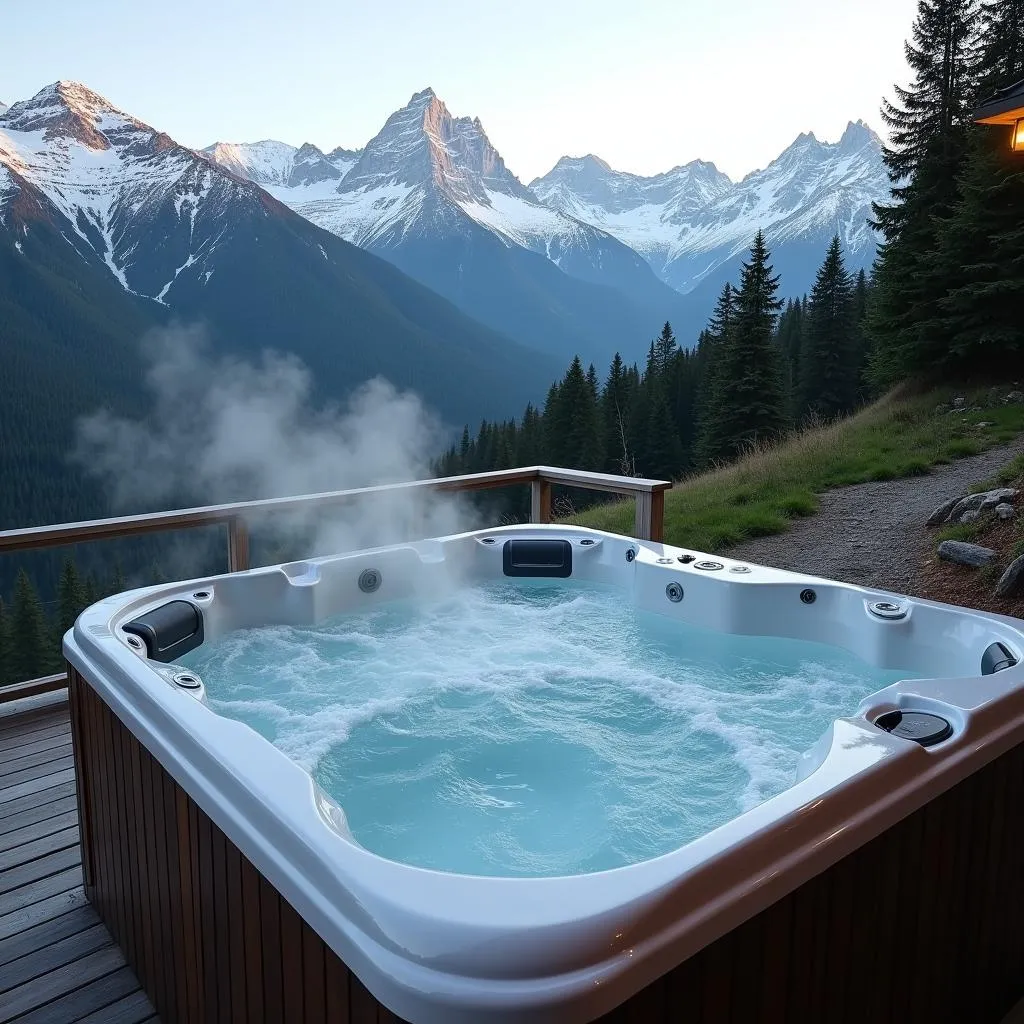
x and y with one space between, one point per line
238 545
540 501
650 516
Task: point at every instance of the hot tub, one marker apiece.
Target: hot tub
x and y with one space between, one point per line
885 880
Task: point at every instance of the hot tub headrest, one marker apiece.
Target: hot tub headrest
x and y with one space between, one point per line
169 631
540 557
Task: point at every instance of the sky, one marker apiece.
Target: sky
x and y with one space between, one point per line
644 84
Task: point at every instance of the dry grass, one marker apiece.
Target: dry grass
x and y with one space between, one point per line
900 435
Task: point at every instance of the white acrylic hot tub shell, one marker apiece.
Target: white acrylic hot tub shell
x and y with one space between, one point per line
441 948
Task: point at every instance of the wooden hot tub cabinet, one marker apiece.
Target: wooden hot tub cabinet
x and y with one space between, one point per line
923 923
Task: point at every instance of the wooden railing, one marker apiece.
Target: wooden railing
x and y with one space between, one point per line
648 523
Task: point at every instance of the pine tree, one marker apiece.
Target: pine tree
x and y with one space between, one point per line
982 246
1002 34
662 456
70 597
748 398
665 348
929 124
928 120
709 351
828 360
31 654
861 298
615 412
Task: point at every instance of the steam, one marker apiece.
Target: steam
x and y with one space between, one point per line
223 429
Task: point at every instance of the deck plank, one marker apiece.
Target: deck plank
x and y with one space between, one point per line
35 814
39 868
38 936
59 826
16 746
58 962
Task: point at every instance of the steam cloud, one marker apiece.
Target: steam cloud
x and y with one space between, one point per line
224 429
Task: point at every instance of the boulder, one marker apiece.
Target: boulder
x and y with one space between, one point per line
962 553
941 514
959 403
972 516
982 501
1011 583
1014 398
985 423
1005 511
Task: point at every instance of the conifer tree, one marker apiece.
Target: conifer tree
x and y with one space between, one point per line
70 597
828 359
1002 37
748 398
709 351
982 247
615 408
861 297
31 654
928 128
665 348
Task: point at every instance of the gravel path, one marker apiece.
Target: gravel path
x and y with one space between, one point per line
873 534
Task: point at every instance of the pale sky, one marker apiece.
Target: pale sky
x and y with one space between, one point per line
645 84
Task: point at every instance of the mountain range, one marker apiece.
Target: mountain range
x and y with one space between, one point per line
431 193
108 227
420 257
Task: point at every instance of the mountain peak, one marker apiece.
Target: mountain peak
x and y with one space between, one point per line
857 134
424 146
71 110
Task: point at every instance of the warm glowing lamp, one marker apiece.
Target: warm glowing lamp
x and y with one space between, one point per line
1006 107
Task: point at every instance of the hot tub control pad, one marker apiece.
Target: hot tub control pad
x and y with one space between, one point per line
920 726
169 631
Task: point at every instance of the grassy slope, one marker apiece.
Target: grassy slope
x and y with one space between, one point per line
899 435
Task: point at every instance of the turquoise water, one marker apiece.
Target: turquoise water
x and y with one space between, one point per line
542 728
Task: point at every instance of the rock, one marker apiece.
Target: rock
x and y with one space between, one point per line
1005 511
982 502
971 516
975 408
959 403
1012 581
973 555
985 423
941 514
1014 398
968 504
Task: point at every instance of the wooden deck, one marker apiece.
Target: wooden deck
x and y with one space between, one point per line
58 963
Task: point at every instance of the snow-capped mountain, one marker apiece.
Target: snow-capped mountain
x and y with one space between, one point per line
273 164
3 107
642 212
182 237
693 224
431 193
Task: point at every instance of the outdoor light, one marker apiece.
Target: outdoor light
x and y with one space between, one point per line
1006 108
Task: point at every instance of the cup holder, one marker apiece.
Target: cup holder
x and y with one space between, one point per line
920 726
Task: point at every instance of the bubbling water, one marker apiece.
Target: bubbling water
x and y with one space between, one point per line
537 728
